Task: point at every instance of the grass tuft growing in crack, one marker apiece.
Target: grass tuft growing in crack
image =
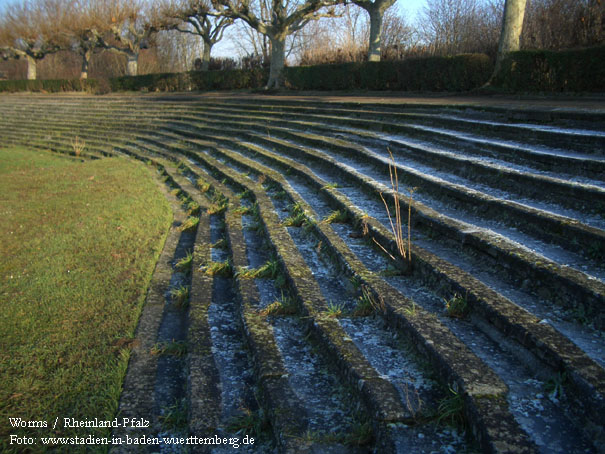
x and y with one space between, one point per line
451 410
555 386
335 310
190 224
330 186
193 209
203 186
180 297
337 217
361 434
251 210
219 204
171 348
367 303
174 417
269 270
245 195
220 244
253 423
297 216
457 306
222 269
184 264
284 306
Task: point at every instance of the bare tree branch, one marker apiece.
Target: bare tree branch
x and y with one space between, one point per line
276 19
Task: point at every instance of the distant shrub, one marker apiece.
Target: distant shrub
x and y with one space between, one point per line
216 64
48 86
552 71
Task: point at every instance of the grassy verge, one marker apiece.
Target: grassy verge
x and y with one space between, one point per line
78 243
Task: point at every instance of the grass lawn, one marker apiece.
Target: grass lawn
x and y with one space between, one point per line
78 245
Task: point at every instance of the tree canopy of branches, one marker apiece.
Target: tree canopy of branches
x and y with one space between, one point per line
561 24
194 17
83 29
125 26
30 30
277 19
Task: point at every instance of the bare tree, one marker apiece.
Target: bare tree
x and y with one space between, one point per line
276 19
28 30
81 25
398 36
193 17
352 31
252 46
446 25
341 39
560 24
376 10
126 26
176 52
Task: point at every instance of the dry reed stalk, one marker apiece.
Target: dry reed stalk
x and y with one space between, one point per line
78 146
396 225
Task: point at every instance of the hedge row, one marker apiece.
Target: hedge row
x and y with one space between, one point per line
549 71
458 73
49 86
192 80
525 71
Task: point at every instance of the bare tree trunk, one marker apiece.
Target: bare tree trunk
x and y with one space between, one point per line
278 58
85 61
206 56
514 11
375 33
132 68
31 68
512 25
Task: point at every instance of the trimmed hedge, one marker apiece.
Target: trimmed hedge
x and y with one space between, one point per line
457 73
192 80
524 71
551 71
49 86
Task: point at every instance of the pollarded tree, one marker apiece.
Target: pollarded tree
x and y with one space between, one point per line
195 17
276 19
81 27
126 26
376 10
29 30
